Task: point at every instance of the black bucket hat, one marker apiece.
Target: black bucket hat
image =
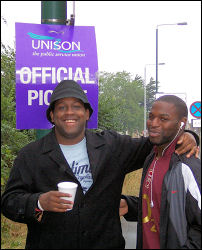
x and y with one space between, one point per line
68 88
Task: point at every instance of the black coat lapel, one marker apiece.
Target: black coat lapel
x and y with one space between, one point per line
52 148
95 146
60 160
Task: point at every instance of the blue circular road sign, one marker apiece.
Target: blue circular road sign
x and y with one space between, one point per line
195 109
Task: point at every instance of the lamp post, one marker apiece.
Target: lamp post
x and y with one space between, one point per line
145 93
183 23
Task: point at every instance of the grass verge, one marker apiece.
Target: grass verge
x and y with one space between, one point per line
13 234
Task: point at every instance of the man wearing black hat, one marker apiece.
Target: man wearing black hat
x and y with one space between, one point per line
97 162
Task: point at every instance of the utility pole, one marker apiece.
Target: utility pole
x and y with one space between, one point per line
52 12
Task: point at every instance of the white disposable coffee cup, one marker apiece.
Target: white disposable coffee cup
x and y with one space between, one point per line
69 188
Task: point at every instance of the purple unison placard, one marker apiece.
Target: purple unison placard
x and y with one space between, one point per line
45 55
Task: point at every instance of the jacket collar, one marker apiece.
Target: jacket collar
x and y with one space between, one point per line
52 149
50 141
93 142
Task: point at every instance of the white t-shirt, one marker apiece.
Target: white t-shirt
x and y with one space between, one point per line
77 158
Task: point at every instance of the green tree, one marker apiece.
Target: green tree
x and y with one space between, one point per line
12 140
108 103
120 102
150 93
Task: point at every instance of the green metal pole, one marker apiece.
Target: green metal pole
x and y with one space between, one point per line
52 12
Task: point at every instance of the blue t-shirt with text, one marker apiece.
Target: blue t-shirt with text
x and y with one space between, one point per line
77 158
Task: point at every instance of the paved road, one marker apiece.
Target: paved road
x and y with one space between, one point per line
129 230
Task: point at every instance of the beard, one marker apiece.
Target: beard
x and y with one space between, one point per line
162 139
72 133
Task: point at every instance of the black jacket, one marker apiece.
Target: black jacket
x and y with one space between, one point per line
180 217
94 221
